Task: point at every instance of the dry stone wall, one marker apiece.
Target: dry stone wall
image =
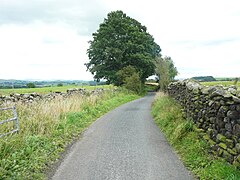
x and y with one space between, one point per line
28 98
215 110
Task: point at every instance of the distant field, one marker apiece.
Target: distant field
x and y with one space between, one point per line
46 90
224 83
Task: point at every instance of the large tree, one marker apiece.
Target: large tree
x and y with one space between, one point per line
121 41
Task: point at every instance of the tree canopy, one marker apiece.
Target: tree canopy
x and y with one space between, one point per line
165 70
119 42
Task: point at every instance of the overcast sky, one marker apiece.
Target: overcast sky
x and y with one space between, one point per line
48 39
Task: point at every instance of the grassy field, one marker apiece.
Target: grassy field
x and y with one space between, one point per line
184 137
224 83
46 129
46 90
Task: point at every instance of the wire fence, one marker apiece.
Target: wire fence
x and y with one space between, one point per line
12 119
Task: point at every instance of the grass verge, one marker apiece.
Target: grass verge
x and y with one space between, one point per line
47 128
184 137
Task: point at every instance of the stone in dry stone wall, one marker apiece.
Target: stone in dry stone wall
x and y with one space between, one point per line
216 110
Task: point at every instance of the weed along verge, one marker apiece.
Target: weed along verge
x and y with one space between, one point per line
47 127
187 141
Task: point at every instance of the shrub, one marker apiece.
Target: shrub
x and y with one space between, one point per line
129 77
31 85
134 83
60 85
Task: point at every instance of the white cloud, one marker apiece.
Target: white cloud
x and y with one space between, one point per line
42 51
47 39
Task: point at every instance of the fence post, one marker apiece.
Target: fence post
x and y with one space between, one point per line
16 116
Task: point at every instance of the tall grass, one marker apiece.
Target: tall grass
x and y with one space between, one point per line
47 127
42 117
184 137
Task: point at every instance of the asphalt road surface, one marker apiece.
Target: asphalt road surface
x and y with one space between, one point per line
123 144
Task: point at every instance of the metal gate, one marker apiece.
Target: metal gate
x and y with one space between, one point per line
15 118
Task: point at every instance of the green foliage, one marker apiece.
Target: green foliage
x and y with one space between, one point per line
60 85
151 81
31 85
28 154
204 78
184 137
130 79
235 81
224 78
151 87
124 73
163 73
121 41
172 69
134 83
166 71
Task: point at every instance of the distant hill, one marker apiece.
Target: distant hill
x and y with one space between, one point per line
204 78
10 83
